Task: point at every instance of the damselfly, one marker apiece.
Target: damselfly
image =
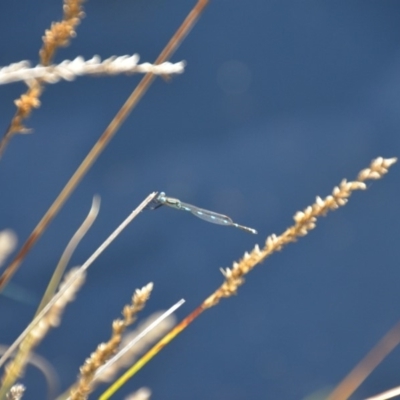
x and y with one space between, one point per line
206 215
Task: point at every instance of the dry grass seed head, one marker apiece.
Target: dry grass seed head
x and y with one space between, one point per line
57 36
16 392
304 222
51 319
61 32
109 373
106 350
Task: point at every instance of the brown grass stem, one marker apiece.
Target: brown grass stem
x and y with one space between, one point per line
364 368
76 276
102 142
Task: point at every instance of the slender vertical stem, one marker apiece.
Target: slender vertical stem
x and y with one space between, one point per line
152 352
361 371
76 276
102 142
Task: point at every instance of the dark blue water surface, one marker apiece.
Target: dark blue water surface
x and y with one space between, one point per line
280 100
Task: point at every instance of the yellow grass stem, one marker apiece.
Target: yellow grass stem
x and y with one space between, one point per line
304 222
151 353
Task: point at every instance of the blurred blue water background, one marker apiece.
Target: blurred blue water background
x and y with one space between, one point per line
280 101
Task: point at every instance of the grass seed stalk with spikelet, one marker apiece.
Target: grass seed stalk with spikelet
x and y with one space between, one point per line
234 277
104 351
304 222
57 36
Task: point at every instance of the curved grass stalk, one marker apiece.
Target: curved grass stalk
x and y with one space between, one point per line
77 275
67 254
102 142
15 369
49 373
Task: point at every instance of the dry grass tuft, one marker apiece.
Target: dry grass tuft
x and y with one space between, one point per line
51 319
104 351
